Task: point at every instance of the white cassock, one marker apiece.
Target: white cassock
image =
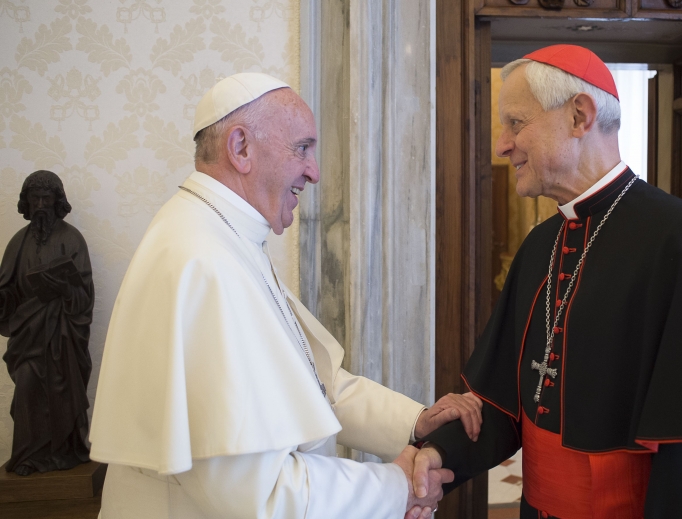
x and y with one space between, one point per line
207 405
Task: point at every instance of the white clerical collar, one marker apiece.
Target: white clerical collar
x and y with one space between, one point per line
242 215
568 210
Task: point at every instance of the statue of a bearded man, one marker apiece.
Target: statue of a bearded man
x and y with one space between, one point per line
46 301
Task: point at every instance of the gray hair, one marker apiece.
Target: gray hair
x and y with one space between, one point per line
552 87
208 139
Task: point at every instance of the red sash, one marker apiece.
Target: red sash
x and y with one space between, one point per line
574 485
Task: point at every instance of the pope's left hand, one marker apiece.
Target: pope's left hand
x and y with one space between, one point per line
466 407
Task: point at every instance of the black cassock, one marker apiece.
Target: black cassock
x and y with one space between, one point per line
618 347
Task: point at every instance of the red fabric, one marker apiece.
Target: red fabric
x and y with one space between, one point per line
574 485
580 62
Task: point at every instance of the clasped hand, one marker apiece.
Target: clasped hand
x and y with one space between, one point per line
423 500
422 468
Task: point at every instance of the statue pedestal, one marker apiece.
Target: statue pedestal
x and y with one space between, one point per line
83 481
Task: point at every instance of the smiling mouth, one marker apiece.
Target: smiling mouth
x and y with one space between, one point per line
519 166
296 191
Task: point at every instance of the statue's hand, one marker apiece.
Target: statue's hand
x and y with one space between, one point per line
58 286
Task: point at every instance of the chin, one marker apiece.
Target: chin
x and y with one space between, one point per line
527 191
287 219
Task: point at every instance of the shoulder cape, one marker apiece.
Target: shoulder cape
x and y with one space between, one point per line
624 337
196 363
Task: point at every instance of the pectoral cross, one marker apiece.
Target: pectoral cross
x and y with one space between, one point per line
544 370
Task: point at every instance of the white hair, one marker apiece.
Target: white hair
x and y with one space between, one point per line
208 139
552 87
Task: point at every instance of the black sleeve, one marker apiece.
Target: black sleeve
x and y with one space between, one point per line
664 495
499 439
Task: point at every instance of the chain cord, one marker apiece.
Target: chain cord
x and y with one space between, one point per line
550 332
303 343
562 306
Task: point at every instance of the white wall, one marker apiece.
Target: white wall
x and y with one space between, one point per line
103 94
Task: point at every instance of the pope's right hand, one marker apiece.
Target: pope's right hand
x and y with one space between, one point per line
426 498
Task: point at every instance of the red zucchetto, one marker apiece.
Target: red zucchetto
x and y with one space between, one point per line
580 62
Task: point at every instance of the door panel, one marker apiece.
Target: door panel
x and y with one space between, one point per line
568 9
665 9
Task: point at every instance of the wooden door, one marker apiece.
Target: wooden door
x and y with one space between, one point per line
652 132
463 211
676 163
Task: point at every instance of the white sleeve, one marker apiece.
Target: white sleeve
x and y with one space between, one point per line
292 485
374 419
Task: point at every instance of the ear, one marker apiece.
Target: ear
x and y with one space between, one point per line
239 149
584 114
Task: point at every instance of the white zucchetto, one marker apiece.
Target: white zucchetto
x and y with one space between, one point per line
231 93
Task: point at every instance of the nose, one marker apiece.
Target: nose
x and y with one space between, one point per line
312 172
41 203
504 145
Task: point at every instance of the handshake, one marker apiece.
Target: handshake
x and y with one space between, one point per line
423 468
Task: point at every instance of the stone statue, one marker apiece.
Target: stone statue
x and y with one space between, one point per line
46 301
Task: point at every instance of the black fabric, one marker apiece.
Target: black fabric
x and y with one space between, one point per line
620 346
528 512
664 498
499 439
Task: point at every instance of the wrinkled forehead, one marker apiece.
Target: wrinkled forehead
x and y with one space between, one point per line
288 111
516 94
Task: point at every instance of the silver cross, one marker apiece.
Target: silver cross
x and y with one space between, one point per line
544 370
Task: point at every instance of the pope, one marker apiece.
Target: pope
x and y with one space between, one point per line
220 395
578 363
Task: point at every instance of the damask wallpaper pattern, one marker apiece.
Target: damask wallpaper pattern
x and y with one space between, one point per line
103 93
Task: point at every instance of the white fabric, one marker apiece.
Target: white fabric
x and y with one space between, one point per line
270 485
200 364
568 209
231 93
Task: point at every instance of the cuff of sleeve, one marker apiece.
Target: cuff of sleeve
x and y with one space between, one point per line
413 438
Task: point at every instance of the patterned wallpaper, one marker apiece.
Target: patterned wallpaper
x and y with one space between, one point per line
103 93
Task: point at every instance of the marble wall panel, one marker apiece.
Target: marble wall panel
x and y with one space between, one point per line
371 222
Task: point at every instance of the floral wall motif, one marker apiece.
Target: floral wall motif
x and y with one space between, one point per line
103 94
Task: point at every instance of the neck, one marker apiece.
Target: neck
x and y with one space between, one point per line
226 177
594 163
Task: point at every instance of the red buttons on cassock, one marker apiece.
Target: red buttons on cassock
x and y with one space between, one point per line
548 383
573 226
563 276
567 250
557 330
553 357
543 410
558 302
